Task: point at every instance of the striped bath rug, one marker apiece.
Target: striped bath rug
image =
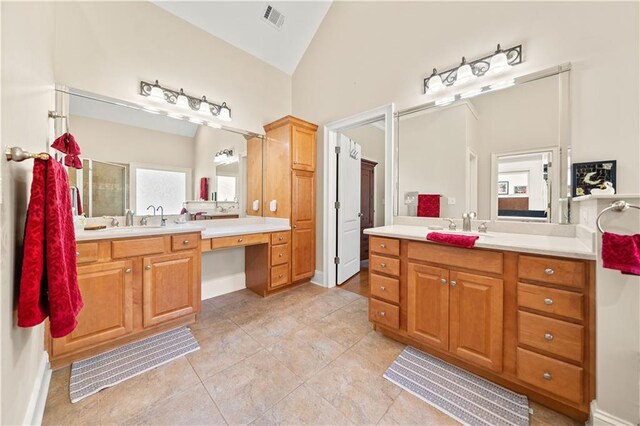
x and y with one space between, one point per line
469 399
110 368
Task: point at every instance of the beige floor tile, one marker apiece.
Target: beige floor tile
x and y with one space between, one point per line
248 389
356 387
349 295
59 409
411 410
346 328
268 329
222 349
543 416
303 407
136 395
192 406
306 352
359 305
378 349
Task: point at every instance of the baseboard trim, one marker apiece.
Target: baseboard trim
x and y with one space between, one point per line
318 278
222 285
602 418
38 399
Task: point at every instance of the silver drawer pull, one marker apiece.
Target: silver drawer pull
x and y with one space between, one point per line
548 337
383 246
77 253
382 288
549 271
381 313
454 283
239 240
443 280
185 242
382 265
546 376
128 270
148 267
548 301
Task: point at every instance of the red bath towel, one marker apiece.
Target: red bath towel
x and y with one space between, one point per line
465 241
204 188
428 205
49 282
621 252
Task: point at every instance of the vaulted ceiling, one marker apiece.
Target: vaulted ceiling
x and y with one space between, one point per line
242 24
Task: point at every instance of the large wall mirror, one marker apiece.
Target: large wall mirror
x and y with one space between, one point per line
502 152
134 158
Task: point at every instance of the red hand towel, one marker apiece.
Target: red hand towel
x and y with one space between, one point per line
204 188
465 241
49 282
621 252
428 205
73 161
66 144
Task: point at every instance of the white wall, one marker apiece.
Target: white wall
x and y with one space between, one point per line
108 47
368 54
27 93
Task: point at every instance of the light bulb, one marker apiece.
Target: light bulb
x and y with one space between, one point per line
204 106
499 62
224 113
464 74
156 92
182 100
434 84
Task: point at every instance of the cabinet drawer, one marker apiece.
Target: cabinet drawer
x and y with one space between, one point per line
185 241
279 275
385 265
550 300
280 238
137 247
384 313
556 377
386 246
551 335
86 252
385 288
478 260
279 254
239 241
553 271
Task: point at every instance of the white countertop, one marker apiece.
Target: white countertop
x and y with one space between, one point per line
245 229
538 244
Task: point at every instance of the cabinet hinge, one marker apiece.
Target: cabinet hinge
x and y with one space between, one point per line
337 150
336 205
336 260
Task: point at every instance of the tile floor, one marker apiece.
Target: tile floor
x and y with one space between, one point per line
304 356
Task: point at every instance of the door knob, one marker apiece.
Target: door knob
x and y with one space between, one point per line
360 215
148 267
443 280
546 376
549 271
548 337
128 270
548 301
453 283
77 253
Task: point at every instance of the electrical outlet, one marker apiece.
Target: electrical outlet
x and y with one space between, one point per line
451 201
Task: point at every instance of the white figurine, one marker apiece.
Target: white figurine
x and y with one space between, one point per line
608 189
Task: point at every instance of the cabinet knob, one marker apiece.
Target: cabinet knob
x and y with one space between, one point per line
549 271
295 162
443 280
548 301
239 240
281 275
128 270
295 226
185 242
546 376
382 265
381 313
548 337
77 253
383 245
382 288
148 267
454 283
280 255
281 238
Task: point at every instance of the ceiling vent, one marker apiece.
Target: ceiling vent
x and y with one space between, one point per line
273 17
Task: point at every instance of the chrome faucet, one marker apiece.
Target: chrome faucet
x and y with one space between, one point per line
143 221
128 220
154 209
163 221
452 224
114 221
466 220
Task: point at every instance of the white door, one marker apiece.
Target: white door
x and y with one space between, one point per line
349 209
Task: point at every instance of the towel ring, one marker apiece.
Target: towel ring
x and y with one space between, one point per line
616 206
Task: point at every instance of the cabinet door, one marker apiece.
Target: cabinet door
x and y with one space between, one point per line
303 148
476 319
428 305
107 292
170 287
303 235
277 173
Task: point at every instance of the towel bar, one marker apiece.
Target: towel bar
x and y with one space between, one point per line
616 206
15 153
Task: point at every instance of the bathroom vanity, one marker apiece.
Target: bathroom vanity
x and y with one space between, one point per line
506 313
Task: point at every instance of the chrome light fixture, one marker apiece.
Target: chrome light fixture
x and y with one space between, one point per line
500 61
179 98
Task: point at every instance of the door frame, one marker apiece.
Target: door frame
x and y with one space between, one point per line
327 277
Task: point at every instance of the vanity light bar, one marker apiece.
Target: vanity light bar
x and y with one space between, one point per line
500 60
178 97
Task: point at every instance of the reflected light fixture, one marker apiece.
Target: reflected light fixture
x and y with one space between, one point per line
224 113
222 156
464 74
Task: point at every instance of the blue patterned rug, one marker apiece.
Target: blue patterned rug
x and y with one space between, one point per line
469 399
91 375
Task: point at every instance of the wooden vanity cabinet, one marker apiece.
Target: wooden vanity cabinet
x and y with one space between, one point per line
289 179
131 288
523 321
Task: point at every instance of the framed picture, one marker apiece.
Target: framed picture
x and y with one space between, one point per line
503 187
593 175
520 189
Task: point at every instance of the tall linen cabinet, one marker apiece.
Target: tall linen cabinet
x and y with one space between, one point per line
290 190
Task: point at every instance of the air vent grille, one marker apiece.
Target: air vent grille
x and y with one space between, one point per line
273 17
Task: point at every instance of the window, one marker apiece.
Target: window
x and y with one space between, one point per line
160 188
226 188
